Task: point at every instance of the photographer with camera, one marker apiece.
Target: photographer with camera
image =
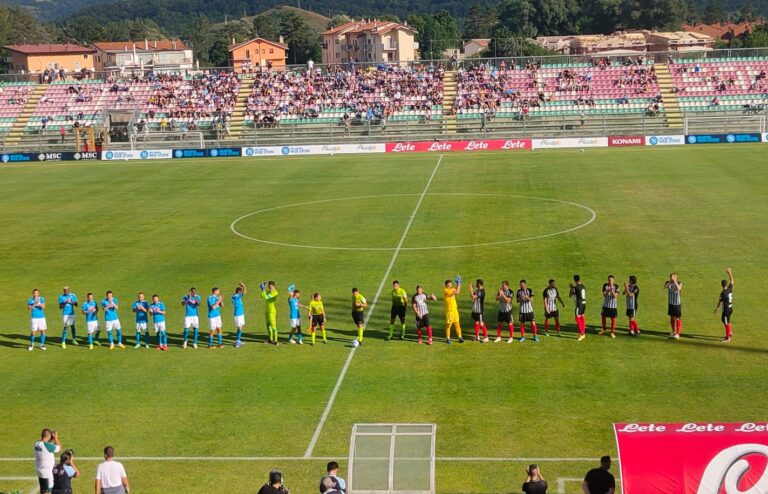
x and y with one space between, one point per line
275 484
44 459
64 472
534 482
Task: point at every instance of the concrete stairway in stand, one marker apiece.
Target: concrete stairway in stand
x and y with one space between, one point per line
672 113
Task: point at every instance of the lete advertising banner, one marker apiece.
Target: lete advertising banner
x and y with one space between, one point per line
693 458
668 140
570 142
722 138
626 141
447 146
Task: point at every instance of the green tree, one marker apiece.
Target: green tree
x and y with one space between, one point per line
84 29
338 20
531 18
654 14
264 27
303 43
758 38
480 21
436 33
712 13
218 55
199 33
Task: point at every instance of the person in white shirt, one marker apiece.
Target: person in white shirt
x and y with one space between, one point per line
110 475
45 449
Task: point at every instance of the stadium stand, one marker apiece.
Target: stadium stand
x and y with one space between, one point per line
727 84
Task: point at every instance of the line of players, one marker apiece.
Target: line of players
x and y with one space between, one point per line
318 319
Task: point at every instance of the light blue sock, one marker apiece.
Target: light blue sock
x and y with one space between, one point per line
146 338
64 335
74 334
138 337
210 339
120 336
159 339
42 339
32 339
90 338
239 334
221 339
109 337
186 333
96 336
165 338
300 336
196 334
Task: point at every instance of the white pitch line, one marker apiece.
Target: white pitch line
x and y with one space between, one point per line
458 459
384 279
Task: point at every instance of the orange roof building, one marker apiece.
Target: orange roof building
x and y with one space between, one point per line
257 52
26 59
725 31
369 41
160 56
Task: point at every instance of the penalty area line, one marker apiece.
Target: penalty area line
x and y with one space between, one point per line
398 248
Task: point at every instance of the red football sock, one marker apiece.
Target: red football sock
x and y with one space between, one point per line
512 330
603 318
418 332
477 330
557 326
613 325
498 330
728 330
429 332
679 325
546 324
522 330
533 326
485 331
582 325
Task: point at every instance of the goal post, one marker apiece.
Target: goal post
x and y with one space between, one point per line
392 459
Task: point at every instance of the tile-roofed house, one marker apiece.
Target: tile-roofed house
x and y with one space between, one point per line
160 56
37 58
369 41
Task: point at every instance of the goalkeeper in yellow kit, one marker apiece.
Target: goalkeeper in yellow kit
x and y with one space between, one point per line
451 309
269 294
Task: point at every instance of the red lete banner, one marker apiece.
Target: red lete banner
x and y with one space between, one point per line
693 458
446 146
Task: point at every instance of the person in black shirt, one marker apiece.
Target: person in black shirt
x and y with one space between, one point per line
275 484
579 294
534 482
63 473
726 301
599 480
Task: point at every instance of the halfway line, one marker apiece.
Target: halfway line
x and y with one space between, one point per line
384 279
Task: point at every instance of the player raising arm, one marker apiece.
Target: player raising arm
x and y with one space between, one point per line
632 292
317 317
579 294
36 306
239 312
215 302
67 304
359 305
551 298
610 304
674 305
452 310
726 301
504 297
294 313
478 307
141 309
191 303
419 304
269 294
399 303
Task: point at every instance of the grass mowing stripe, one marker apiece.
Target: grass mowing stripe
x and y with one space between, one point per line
327 411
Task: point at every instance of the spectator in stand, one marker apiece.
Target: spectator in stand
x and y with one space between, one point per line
63 473
274 484
534 482
338 483
599 480
44 459
62 133
110 475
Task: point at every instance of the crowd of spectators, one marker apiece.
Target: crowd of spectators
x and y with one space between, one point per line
373 93
213 95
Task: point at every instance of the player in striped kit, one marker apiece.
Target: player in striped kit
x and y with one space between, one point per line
632 292
675 305
579 294
504 298
610 305
726 301
525 301
551 297
478 307
419 304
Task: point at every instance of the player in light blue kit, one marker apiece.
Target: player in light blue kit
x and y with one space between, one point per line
67 304
111 320
36 306
91 311
239 312
215 302
191 303
295 306
141 308
157 309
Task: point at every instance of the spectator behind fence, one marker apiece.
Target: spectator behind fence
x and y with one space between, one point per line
274 484
599 480
44 459
534 482
110 475
64 472
338 483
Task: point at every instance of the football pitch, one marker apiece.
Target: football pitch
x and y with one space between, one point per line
219 420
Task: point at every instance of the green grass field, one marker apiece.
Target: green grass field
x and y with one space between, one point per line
162 227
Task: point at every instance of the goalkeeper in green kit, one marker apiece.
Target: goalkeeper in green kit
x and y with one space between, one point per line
269 294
